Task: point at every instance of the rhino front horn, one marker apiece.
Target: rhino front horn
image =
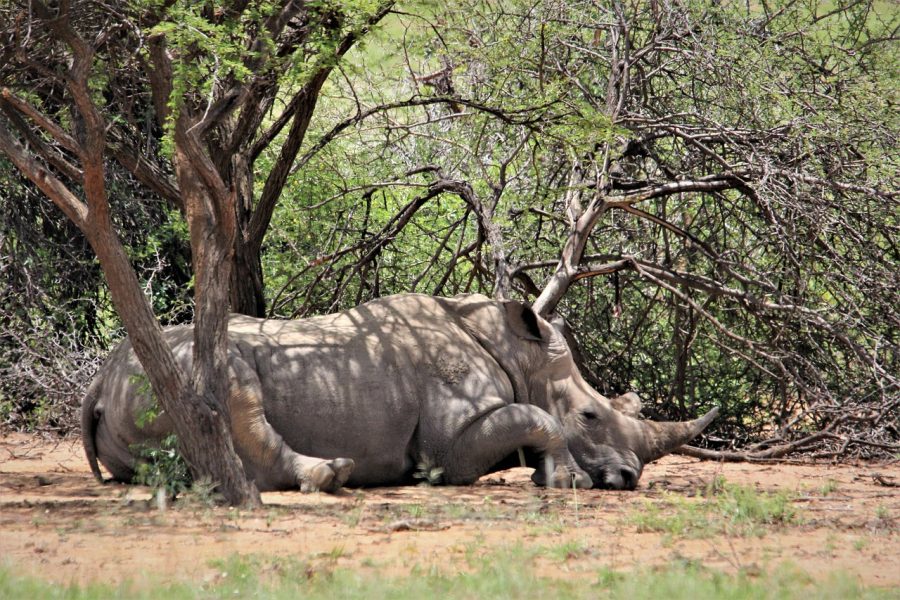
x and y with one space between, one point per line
664 437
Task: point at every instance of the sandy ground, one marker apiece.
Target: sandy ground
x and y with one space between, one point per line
58 523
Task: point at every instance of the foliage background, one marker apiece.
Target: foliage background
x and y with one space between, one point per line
453 150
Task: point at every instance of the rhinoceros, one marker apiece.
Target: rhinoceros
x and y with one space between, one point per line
366 397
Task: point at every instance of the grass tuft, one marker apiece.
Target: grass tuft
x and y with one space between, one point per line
723 508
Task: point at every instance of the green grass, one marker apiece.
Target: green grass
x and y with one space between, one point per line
568 550
723 508
829 487
502 574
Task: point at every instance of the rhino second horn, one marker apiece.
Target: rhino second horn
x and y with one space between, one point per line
664 437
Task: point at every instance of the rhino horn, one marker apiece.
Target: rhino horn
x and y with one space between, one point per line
664 437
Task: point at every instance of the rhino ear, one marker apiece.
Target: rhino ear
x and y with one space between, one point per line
524 322
628 403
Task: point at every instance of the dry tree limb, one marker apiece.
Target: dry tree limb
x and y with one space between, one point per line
774 452
883 480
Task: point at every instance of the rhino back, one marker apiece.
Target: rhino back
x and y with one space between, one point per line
387 384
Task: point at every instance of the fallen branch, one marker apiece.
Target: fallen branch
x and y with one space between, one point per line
885 481
774 452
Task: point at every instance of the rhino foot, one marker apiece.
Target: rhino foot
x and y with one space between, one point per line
327 476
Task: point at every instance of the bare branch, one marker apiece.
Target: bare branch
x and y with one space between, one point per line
74 208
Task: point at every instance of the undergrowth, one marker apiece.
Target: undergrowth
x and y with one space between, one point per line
162 467
721 508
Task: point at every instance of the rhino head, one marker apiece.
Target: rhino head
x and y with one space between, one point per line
613 447
604 436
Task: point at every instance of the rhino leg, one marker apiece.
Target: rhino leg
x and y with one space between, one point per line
500 433
266 456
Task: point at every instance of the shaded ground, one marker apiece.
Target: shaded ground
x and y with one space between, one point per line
57 523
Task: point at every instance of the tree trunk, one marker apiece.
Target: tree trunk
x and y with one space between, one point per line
246 291
567 267
210 211
581 224
202 427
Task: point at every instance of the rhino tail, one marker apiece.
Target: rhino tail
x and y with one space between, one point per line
89 419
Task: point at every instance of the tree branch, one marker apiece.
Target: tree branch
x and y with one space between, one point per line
50 155
74 209
42 121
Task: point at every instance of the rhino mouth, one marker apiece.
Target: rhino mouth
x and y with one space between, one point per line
616 478
612 469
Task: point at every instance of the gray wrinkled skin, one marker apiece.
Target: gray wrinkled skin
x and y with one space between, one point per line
368 396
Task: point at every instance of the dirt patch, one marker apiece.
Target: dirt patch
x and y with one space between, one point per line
57 523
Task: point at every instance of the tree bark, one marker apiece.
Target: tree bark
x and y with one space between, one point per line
247 287
247 295
581 224
202 427
210 211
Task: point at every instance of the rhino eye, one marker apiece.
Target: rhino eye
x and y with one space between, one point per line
589 415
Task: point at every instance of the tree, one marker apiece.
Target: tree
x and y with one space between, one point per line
75 94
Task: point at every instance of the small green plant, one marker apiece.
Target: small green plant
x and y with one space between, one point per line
861 544
608 578
829 487
335 553
428 472
6 409
162 467
354 515
570 550
473 551
677 517
201 493
831 543
152 410
237 575
715 486
884 520
747 509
